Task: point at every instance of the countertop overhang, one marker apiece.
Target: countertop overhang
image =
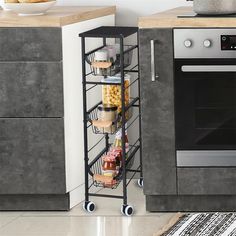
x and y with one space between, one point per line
56 17
169 19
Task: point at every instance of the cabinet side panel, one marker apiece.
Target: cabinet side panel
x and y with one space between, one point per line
73 100
157 99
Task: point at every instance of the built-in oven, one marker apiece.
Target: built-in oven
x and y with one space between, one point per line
205 97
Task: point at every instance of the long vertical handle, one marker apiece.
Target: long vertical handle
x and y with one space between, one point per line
154 76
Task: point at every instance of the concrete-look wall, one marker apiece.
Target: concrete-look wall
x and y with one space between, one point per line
128 11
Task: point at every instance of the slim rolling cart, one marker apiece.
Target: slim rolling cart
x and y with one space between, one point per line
122 123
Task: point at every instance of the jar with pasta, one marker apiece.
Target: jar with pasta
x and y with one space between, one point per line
111 94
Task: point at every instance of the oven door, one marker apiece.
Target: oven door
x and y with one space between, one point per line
205 104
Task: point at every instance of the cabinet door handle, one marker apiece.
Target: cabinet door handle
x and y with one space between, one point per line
154 76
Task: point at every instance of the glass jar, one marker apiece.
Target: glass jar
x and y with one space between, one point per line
111 50
109 166
108 113
111 94
100 56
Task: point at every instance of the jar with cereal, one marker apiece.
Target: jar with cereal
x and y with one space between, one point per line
111 94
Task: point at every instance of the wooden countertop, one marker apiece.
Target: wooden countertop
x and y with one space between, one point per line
169 19
56 17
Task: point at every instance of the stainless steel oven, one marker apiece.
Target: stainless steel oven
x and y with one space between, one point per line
205 96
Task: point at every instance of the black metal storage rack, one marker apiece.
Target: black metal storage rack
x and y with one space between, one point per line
92 166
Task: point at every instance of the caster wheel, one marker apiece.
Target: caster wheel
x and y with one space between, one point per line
89 206
140 182
127 210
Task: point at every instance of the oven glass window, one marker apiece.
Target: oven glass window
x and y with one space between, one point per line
205 110
215 111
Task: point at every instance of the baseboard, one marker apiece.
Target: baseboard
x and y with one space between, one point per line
34 202
191 203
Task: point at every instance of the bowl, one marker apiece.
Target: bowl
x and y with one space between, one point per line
29 9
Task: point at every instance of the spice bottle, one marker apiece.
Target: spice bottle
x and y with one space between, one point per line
118 140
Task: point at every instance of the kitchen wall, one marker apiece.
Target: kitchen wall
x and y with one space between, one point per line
128 11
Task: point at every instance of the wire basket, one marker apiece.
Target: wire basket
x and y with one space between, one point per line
114 126
96 169
115 67
111 129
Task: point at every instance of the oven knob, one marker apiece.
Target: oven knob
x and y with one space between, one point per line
207 43
188 43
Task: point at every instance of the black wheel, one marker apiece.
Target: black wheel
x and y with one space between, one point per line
140 182
89 206
127 210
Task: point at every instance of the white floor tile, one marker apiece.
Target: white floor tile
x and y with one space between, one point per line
84 226
6 219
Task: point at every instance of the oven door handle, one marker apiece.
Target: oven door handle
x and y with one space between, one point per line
154 76
208 68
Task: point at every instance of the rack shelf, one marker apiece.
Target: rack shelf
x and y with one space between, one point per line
93 166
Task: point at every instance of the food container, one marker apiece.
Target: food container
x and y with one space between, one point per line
109 166
108 113
111 94
101 64
111 51
214 7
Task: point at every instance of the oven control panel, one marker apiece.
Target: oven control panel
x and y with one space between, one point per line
205 43
228 42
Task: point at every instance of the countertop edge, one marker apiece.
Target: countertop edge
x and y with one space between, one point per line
169 19
88 15
47 20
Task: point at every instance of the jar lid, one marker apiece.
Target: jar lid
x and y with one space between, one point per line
101 55
107 108
115 79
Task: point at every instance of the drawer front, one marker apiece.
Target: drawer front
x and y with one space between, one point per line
204 181
32 159
30 44
31 89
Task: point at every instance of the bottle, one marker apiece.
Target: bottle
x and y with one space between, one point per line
118 140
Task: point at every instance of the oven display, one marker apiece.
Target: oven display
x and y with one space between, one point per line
228 42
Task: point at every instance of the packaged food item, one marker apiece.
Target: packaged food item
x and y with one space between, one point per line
118 141
109 166
111 94
106 181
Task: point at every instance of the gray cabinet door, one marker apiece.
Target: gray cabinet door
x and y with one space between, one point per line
32 159
31 89
206 181
158 135
30 44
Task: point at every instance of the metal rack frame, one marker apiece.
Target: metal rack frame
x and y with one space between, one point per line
119 33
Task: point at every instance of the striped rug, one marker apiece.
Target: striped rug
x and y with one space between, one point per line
201 224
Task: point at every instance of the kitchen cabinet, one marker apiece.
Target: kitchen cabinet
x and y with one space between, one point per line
206 181
41 113
31 89
32 159
203 178
158 131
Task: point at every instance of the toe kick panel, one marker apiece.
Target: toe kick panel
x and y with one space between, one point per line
32 159
206 181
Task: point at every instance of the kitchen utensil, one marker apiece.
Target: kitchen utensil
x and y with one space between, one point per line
29 9
214 7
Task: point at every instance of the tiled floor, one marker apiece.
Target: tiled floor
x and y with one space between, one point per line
106 220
